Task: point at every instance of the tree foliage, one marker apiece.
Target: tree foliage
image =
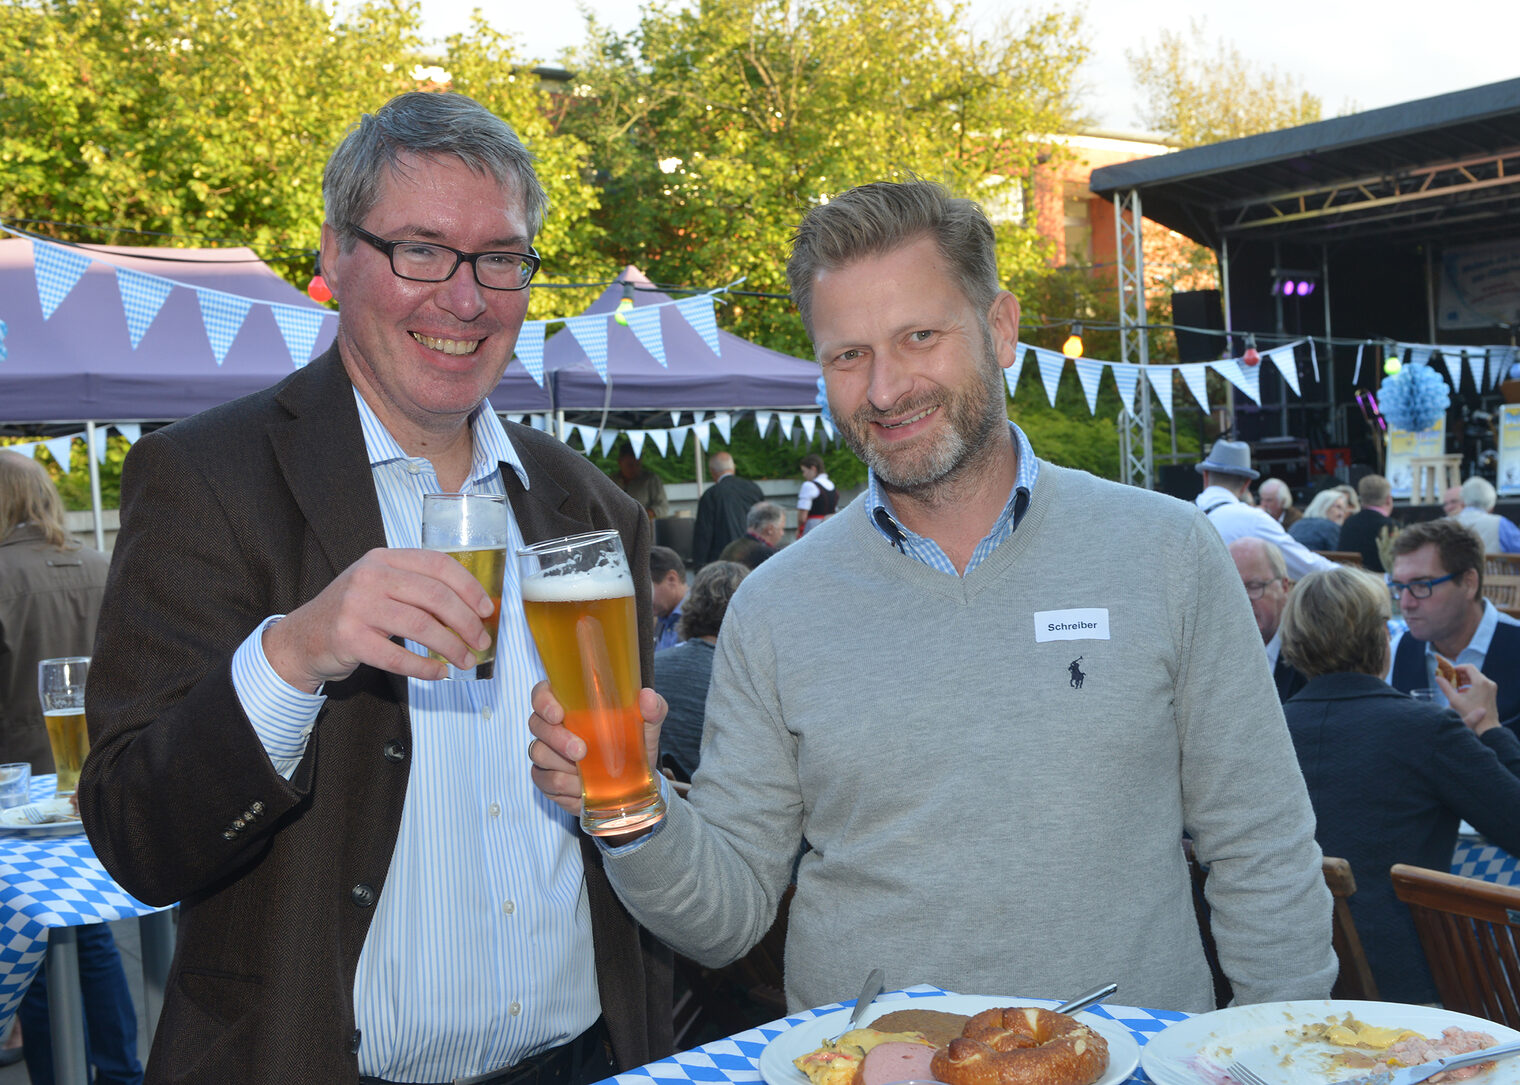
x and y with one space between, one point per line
1200 92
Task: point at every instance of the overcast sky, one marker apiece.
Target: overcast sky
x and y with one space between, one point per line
1349 53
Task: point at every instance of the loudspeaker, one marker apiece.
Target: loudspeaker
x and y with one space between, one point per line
1198 309
1179 480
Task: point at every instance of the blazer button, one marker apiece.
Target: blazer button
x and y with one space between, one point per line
394 751
257 807
228 834
362 895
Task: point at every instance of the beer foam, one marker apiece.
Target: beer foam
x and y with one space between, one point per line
575 587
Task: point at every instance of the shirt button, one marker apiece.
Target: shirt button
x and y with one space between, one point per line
507 907
485 713
495 809
362 895
412 468
515 1008
395 751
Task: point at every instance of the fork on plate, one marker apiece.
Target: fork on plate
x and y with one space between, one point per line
1403 1075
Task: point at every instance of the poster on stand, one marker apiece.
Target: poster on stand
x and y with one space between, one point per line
1509 449
1403 446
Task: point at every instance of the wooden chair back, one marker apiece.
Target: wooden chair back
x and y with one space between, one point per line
1468 929
1342 557
1355 979
1501 582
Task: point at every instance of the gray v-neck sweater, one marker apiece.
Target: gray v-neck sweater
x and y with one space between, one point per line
992 807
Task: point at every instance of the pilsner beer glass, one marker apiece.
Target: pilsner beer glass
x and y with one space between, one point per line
578 596
60 687
471 528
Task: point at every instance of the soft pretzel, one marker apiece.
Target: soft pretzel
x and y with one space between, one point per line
1022 1046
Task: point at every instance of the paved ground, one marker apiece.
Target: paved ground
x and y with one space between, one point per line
131 959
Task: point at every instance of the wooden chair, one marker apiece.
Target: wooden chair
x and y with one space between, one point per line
1342 557
1355 977
712 1003
1501 582
1468 929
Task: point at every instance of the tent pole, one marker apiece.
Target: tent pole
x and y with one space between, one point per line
89 441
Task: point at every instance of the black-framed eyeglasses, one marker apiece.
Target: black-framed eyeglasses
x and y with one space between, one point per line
1420 589
430 262
1255 589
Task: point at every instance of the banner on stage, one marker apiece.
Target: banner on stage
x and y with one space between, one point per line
1509 449
1403 446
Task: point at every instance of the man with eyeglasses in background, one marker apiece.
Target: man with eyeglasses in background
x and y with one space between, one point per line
1438 586
1265 576
372 889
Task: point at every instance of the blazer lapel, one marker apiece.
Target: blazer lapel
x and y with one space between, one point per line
539 508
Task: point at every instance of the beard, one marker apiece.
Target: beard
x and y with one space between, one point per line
972 414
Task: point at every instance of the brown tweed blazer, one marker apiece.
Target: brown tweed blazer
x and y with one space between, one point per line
243 511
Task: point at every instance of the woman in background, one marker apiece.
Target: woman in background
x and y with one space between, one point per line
1320 528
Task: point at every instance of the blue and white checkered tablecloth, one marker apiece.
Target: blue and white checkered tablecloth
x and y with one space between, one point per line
49 880
737 1058
1480 859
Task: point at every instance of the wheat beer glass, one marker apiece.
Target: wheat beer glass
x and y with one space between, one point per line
472 529
60 688
578 596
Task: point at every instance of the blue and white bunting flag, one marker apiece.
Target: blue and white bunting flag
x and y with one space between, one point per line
763 421
57 270
1475 362
1090 373
702 432
809 425
698 312
1196 376
1126 377
1013 372
609 438
644 322
1287 364
636 438
131 431
142 296
299 326
587 434
1245 377
1160 379
223 316
724 422
785 422
591 333
1050 363
530 349
678 438
661 439
1451 358
61 449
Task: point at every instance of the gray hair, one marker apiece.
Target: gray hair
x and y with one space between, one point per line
762 513
1285 494
428 124
1322 502
703 609
877 218
1479 493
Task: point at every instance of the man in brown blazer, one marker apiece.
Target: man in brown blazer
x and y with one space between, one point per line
258 558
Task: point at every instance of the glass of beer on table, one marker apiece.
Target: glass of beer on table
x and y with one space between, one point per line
472 529
60 687
578 597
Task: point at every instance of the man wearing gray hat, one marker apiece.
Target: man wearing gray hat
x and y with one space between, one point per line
1226 473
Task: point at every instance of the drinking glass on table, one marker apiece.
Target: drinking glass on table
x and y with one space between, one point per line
578 596
15 784
60 687
471 528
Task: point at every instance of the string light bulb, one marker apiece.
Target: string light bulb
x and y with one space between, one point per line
624 305
1251 356
1072 348
1391 365
317 289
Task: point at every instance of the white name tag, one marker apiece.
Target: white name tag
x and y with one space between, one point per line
1083 623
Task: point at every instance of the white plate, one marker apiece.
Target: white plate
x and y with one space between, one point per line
13 820
776 1060
1266 1038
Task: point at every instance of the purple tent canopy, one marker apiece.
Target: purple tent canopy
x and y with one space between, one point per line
744 376
79 365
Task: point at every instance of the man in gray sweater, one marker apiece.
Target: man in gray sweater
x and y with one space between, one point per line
991 717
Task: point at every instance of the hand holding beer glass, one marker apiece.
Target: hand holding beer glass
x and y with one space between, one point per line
471 528
578 597
60 687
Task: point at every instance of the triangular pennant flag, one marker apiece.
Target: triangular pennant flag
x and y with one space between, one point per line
61 449
530 349
661 439
101 434
698 416
587 434
1089 373
1126 376
1418 354
223 316
1287 364
725 424
1196 376
698 312
828 428
1452 360
300 327
678 438
785 420
763 421
1495 358
29 449
57 270
809 425
675 418
1245 377
1013 372
609 438
1475 361
636 441
142 296
1159 377
129 430
702 431
645 324
591 333
1050 363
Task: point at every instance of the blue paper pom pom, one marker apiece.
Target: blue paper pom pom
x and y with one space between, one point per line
1414 399
822 399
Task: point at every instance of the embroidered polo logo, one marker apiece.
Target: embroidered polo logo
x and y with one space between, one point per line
1076 673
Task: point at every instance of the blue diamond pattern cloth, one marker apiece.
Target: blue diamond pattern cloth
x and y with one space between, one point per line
1480 859
737 1058
48 880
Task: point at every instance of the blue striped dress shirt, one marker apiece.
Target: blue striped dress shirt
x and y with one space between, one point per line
924 549
479 953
